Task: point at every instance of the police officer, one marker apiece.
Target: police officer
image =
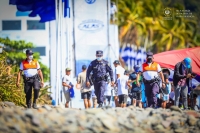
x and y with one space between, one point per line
100 68
32 76
151 72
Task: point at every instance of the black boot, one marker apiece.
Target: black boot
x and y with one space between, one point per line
34 104
100 105
29 106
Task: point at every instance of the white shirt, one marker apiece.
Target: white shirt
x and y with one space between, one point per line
29 72
149 75
119 70
66 79
108 90
113 9
122 85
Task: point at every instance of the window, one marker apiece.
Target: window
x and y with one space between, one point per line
11 24
35 25
41 50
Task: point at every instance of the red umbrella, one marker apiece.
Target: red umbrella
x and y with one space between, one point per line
170 58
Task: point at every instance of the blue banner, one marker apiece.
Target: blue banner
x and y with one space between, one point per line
132 56
44 8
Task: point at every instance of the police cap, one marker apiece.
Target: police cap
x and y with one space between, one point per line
116 62
149 55
99 52
29 52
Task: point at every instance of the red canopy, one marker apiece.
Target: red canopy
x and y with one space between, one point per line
170 58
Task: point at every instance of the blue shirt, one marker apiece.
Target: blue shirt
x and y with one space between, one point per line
167 89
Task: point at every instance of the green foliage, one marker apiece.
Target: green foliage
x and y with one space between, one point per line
15 54
142 23
8 89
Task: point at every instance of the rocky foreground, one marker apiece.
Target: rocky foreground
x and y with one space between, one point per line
49 119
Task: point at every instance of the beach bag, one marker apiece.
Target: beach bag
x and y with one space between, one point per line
71 90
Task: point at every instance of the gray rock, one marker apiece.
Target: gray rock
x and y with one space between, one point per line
47 107
175 124
180 130
35 121
166 124
10 104
93 111
106 120
175 108
198 123
192 120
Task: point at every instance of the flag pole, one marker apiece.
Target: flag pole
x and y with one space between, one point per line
59 52
56 87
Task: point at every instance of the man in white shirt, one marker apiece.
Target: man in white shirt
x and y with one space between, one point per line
122 84
33 78
66 81
119 71
151 71
85 91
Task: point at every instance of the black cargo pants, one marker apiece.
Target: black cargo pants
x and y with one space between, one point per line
29 85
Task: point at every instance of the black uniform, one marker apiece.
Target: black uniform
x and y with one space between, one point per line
100 70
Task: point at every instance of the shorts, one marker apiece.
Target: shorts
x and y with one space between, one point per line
136 95
165 97
107 97
86 95
122 99
67 96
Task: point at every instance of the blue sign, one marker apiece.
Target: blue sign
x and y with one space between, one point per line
90 1
91 25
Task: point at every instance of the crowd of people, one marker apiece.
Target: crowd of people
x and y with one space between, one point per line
147 86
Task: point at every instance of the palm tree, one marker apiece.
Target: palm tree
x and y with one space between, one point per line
141 22
130 23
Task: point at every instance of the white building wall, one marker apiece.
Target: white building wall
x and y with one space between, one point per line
37 37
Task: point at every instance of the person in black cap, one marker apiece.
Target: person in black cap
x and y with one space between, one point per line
119 71
85 91
33 78
100 68
151 71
